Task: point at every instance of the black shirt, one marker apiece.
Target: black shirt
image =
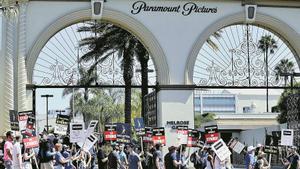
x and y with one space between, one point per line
293 159
169 161
100 156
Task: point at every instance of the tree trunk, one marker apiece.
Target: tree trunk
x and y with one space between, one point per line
144 72
127 76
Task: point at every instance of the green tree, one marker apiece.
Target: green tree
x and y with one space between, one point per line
84 80
111 39
203 118
284 66
282 103
267 45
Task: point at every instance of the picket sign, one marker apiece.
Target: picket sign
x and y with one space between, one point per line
221 149
90 130
236 146
287 137
60 129
77 133
182 135
89 142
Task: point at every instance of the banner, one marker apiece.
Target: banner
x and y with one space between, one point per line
123 133
158 136
182 135
193 138
77 133
14 122
221 149
147 138
89 142
287 137
139 126
110 133
211 134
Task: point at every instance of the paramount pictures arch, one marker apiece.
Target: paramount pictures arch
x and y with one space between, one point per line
173 40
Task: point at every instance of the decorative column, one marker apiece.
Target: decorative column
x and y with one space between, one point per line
21 68
7 85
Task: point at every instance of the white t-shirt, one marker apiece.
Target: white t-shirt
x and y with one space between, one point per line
218 164
16 151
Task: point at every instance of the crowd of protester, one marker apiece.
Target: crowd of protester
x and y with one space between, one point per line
57 153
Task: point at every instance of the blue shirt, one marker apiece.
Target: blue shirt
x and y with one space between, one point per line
58 157
133 160
249 160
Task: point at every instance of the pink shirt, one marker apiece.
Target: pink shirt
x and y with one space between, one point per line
7 145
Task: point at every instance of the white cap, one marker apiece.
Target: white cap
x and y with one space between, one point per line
250 148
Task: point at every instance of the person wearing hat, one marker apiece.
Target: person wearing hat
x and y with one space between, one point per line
250 157
8 147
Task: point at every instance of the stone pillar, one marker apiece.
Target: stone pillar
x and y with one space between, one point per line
7 73
21 68
175 106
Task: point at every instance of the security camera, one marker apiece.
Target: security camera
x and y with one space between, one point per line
250 13
97 9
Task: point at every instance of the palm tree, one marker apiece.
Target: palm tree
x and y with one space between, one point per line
85 80
112 39
267 45
284 66
143 57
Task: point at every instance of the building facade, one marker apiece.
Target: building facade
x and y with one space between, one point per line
172 31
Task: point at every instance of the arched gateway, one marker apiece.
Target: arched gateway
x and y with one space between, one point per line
172 31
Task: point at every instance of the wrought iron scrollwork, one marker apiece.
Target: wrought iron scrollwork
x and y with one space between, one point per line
58 65
244 64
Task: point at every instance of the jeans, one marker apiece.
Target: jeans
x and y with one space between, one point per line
8 164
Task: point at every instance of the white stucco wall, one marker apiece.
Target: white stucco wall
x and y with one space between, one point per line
175 34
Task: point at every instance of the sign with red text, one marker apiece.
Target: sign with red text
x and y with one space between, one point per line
193 138
211 134
182 134
147 138
31 142
110 133
158 136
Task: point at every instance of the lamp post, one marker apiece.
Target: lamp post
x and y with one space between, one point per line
47 110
